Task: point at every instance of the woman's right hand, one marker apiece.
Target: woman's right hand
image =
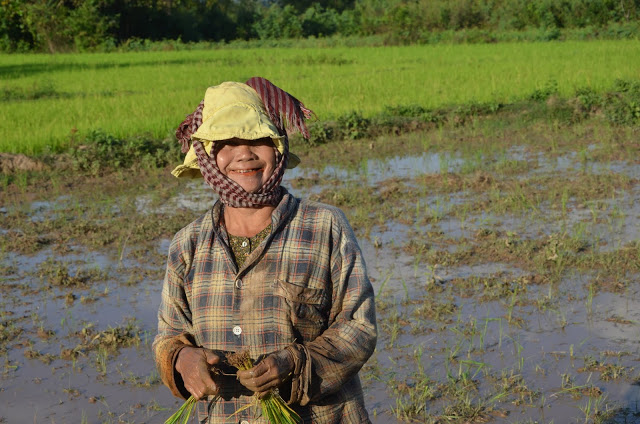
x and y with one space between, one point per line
194 364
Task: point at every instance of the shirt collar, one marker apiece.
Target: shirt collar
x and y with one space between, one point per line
287 206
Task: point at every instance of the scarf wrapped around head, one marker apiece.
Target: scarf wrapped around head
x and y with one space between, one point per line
233 110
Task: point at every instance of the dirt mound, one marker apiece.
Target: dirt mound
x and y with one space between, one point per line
10 163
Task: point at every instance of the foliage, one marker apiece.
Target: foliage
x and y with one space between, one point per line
78 25
276 22
587 101
413 111
540 94
88 27
353 125
318 21
622 106
56 26
279 22
102 151
416 21
14 35
320 133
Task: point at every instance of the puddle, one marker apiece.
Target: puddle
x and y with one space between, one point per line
196 196
374 171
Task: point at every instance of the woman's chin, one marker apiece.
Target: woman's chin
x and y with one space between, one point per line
250 187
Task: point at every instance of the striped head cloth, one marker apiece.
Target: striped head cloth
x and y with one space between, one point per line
250 111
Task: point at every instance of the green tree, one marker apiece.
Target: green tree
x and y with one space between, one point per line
279 22
58 25
88 26
301 5
14 34
45 20
319 21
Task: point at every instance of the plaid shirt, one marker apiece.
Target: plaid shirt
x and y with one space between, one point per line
306 283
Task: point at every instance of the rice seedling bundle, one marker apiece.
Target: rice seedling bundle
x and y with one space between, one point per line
182 415
274 408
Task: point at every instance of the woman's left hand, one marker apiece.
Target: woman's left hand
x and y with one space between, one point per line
270 373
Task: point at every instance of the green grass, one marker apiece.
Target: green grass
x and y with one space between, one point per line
44 99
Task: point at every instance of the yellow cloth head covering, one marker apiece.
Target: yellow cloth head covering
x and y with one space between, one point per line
231 110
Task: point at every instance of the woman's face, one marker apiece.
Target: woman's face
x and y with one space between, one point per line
250 163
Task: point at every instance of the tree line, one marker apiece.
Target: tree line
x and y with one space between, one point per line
102 25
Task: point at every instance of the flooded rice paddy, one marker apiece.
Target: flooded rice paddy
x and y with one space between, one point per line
506 269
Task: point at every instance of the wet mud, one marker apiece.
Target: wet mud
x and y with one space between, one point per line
506 270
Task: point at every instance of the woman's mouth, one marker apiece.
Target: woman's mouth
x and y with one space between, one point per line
247 172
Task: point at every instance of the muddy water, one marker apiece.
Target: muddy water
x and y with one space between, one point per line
506 345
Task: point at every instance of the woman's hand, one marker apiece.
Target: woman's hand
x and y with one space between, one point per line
193 364
270 373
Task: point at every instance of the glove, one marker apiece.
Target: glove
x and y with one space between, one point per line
269 373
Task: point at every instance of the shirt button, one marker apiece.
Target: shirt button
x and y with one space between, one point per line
237 330
238 283
245 244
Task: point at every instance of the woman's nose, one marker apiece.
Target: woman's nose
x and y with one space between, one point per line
244 151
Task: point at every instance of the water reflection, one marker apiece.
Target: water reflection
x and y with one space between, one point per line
375 171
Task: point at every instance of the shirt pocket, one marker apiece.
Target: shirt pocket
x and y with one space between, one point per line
304 305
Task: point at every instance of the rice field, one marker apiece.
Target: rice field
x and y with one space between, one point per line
505 262
504 252
47 101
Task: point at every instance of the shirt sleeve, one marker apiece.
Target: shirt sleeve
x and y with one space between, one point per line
174 317
336 356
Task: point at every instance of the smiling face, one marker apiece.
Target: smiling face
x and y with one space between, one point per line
250 163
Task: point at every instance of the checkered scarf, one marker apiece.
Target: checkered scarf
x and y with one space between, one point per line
278 104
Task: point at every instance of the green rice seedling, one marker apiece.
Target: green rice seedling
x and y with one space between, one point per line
126 99
483 334
412 395
393 324
274 408
464 409
564 201
182 415
101 360
597 410
613 372
589 300
406 289
512 303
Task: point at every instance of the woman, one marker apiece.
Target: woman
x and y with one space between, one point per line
262 271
